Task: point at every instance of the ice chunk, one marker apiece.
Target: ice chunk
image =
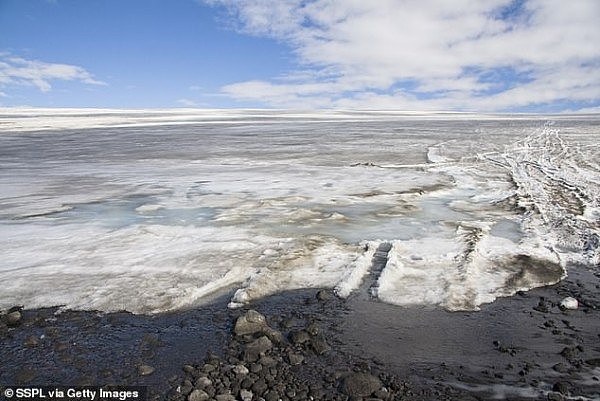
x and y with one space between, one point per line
569 303
354 275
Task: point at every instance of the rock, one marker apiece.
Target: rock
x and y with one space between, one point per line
569 303
198 395
541 307
295 359
256 348
249 323
561 368
255 367
267 361
259 387
323 295
32 341
360 384
208 367
382 394
313 329
25 375
225 397
274 335
13 318
561 387
300 337
189 369
569 352
555 397
246 395
593 361
240 370
272 395
145 370
203 382
186 388
319 344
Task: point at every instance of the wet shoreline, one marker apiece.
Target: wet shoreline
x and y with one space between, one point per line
522 347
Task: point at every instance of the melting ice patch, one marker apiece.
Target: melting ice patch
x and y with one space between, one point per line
463 271
162 218
551 188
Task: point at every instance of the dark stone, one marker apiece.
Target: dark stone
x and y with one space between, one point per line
295 359
360 384
259 387
52 331
186 387
561 387
32 341
286 323
240 370
13 318
272 395
541 306
255 367
225 397
383 394
319 344
25 375
323 295
247 383
313 329
189 369
555 397
569 352
203 382
316 393
560 367
300 337
145 370
198 395
593 361
274 335
207 368
267 362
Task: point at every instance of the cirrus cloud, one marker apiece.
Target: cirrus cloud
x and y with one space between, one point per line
426 54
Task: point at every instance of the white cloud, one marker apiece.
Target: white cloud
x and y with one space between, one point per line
19 71
460 54
187 102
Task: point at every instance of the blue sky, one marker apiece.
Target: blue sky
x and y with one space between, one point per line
495 55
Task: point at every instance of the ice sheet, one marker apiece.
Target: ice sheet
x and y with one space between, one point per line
129 210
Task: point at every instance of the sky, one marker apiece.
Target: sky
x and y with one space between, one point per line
419 55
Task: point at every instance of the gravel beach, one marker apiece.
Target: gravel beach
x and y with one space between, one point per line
311 345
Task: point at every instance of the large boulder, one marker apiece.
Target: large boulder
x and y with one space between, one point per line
249 323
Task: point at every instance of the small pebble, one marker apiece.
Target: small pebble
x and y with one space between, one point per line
145 370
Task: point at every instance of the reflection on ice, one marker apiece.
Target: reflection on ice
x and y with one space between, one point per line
157 217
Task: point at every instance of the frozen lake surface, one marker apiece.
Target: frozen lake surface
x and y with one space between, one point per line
151 211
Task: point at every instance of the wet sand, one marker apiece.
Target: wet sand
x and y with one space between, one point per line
519 348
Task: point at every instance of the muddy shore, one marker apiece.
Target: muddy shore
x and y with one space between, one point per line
524 347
